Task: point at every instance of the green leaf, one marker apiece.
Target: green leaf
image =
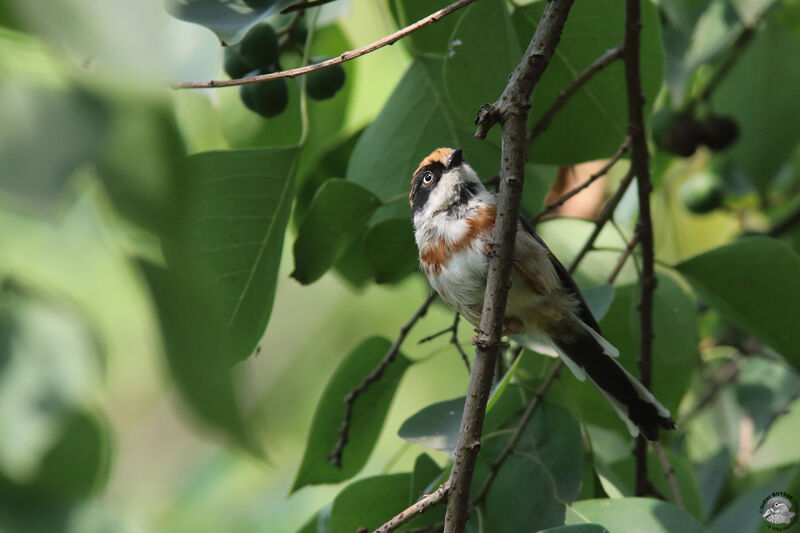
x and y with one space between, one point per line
434 39
78 464
391 250
412 136
145 189
337 214
50 365
748 282
600 106
485 50
369 502
47 135
599 299
426 471
742 513
193 337
369 413
577 528
683 471
547 462
626 514
229 19
435 426
236 220
759 93
673 355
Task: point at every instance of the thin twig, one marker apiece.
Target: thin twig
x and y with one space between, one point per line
605 216
669 473
335 456
303 5
453 330
511 110
454 341
341 58
518 432
591 179
420 506
623 258
580 80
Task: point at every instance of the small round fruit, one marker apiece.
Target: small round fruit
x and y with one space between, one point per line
718 132
268 98
235 66
259 48
682 137
701 193
324 83
299 34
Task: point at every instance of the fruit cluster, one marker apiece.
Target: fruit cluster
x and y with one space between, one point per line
682 133
259 53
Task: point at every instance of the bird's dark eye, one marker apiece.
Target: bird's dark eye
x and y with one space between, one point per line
427 178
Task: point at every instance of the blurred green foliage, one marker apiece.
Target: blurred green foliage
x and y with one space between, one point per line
159 369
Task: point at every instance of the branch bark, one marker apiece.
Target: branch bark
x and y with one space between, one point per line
640 161
511 110
419 507
341 58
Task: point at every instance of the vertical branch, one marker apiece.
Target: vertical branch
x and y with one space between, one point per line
640 168
511 111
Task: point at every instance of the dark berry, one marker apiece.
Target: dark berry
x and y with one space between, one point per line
267 98
259 48
682 136
718 132
235 66
324 83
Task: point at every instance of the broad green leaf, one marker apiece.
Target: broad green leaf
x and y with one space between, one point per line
320 522
748 282
764 388
426 471
415 121
576 528
694 34
236 219
633 514
369 413
684 474
193 338
547 462
485 51
73 469
435 426
673 355
600 106
759 93
337 214
370 502
391 250
777 449
435 39
229 19
47 135
599 299
742 513
146 189
50 364
712 475
78 464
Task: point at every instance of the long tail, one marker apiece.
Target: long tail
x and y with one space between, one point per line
586 353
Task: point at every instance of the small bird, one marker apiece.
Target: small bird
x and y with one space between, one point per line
778 511
453 216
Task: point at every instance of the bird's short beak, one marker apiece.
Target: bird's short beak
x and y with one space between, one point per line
456 158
